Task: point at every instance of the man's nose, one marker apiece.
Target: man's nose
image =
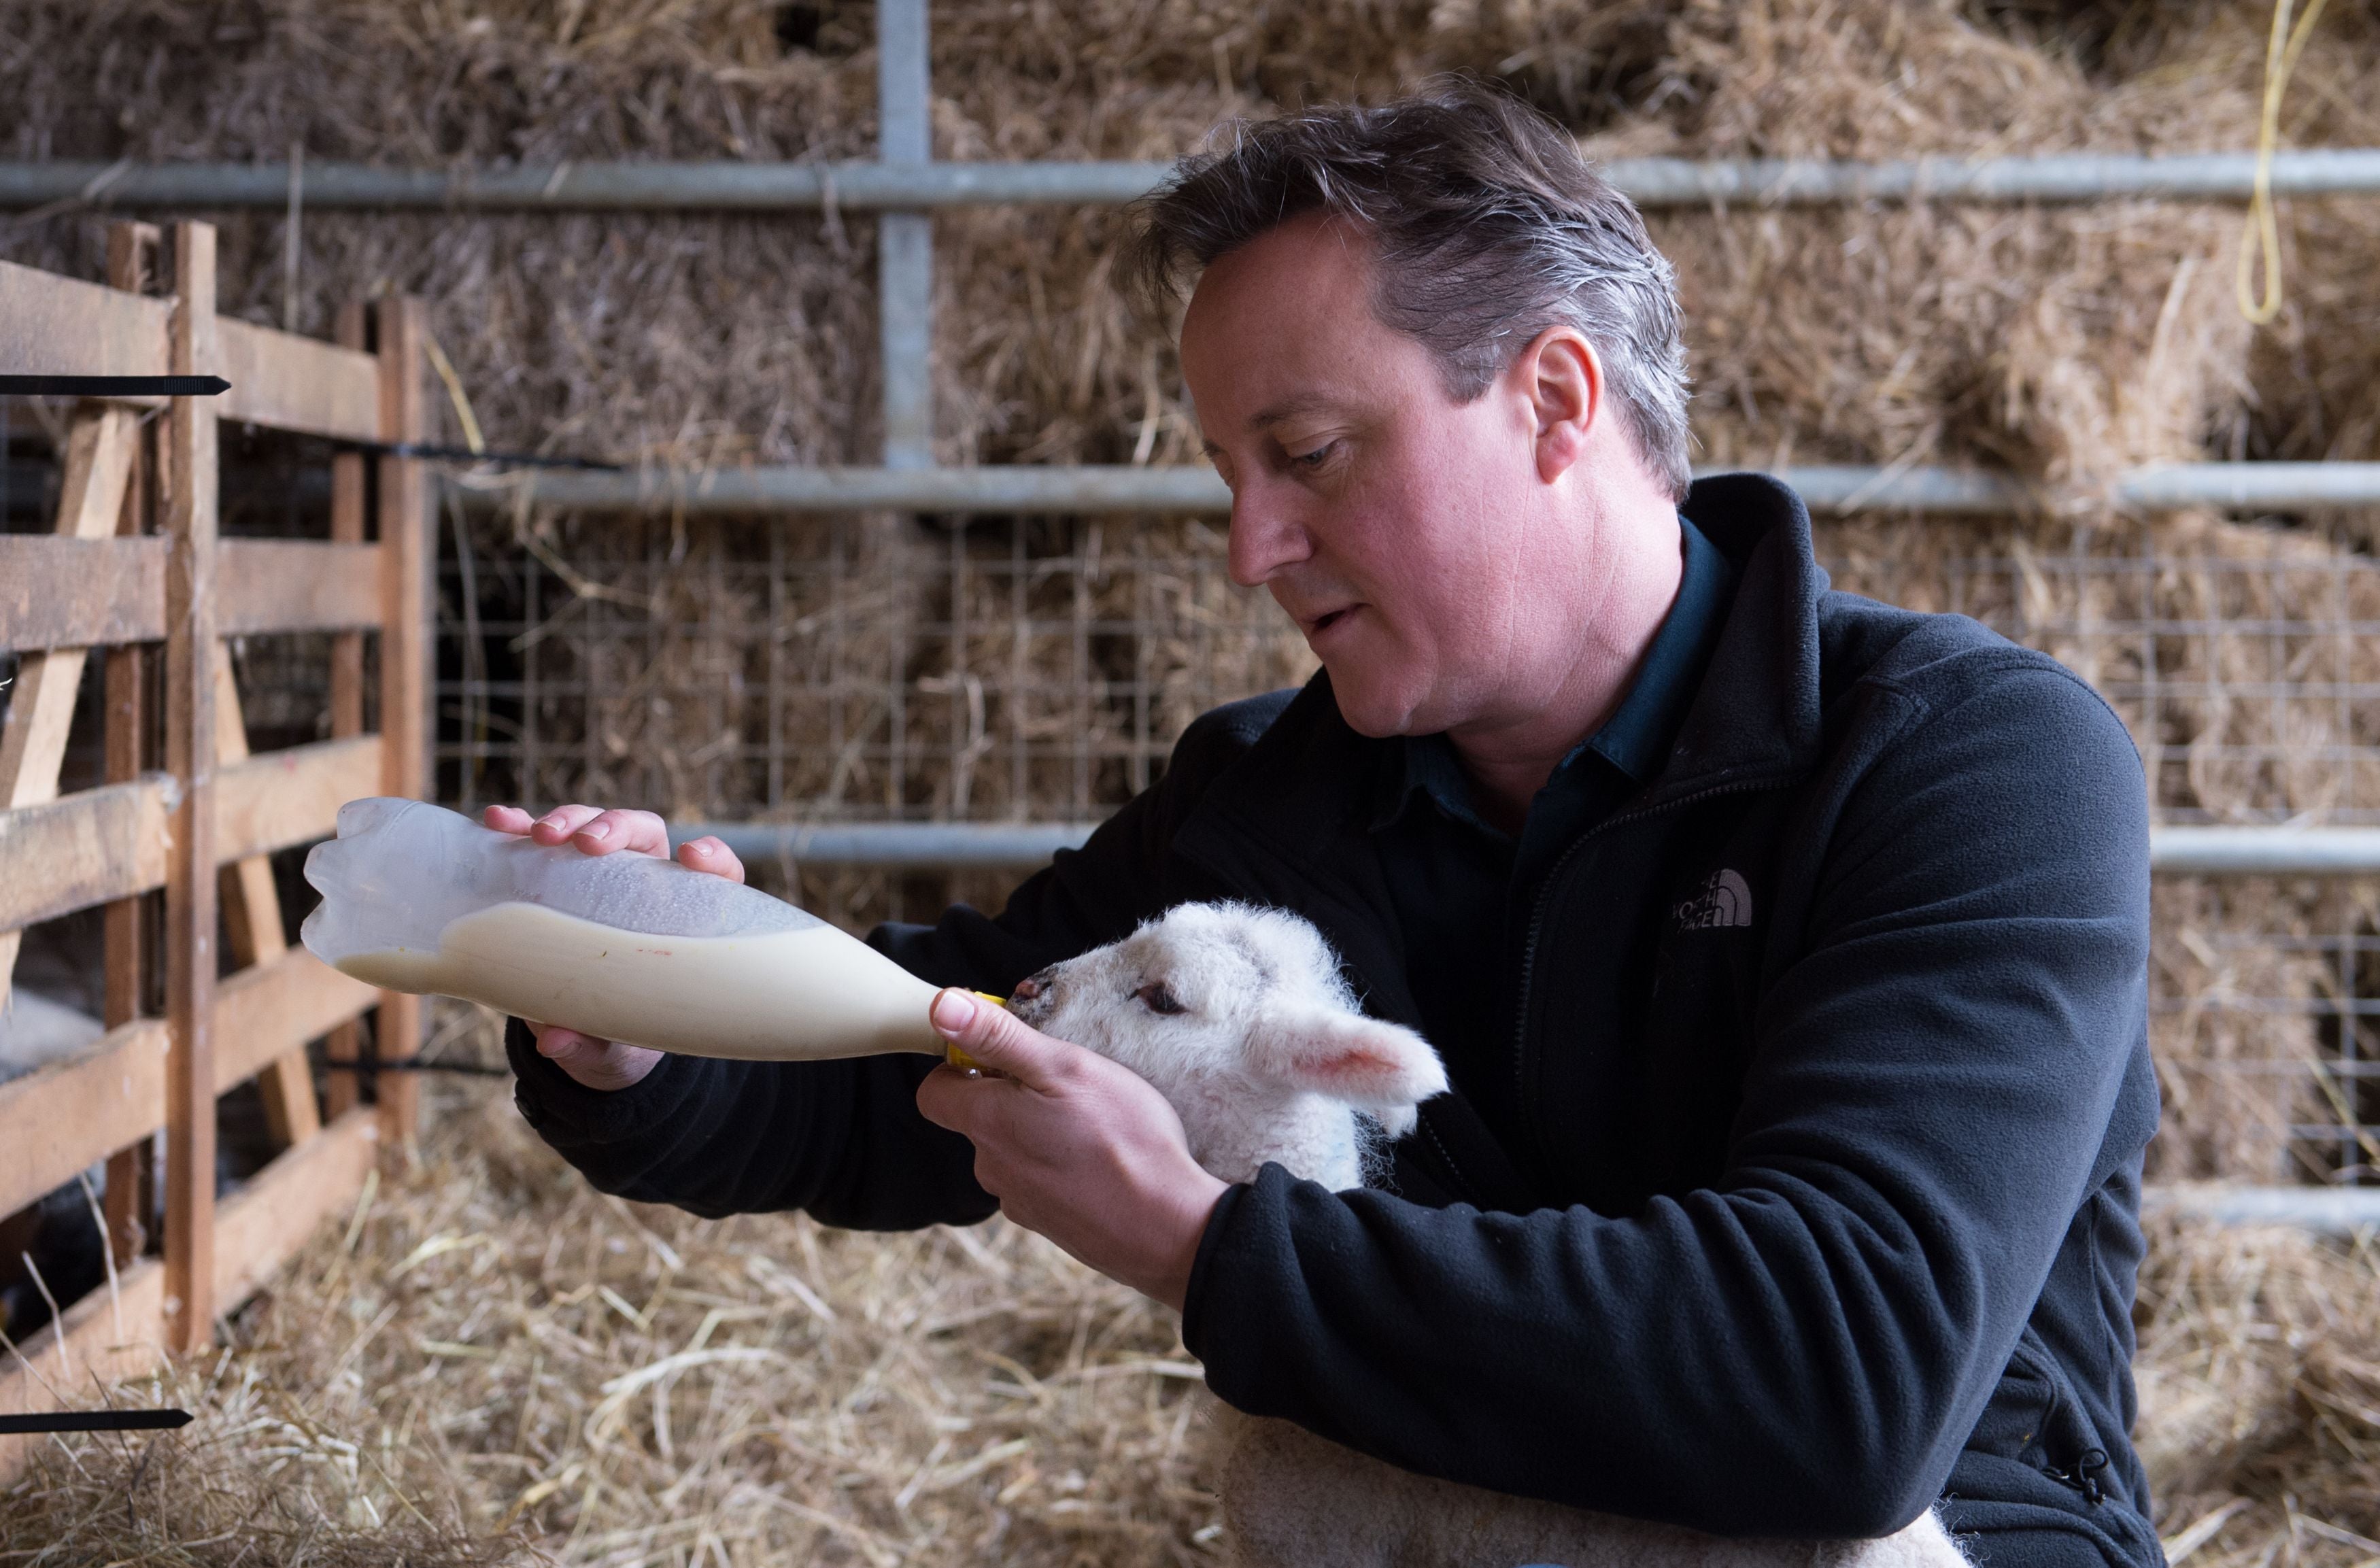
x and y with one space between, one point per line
1266 534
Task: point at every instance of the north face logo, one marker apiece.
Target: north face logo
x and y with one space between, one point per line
1725 900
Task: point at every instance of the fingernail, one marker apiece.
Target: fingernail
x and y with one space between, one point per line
953 1011
597 833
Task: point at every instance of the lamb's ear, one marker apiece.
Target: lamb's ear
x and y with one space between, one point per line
1362 1061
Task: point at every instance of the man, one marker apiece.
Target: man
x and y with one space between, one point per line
1787 952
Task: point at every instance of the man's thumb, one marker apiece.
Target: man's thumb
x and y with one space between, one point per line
983 1033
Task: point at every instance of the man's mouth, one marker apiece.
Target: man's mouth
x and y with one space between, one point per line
1329 618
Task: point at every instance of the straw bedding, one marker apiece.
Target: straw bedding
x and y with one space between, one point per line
443 1378
490 1363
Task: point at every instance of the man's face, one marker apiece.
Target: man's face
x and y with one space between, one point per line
1399 528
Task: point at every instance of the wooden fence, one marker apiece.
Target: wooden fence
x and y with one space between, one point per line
135 569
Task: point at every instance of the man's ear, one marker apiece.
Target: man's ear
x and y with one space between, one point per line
1564 383
1364 1062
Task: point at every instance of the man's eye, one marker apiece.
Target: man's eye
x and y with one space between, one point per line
1315 458
1159 1000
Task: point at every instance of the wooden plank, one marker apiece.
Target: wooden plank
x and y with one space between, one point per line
285 382
90 848
339 1093
100 444
57 326
111 842
58 1119
191 910
404 653
110 1338
113 1337
280 798
33 739
75 593
286 1203
295 585
264 1013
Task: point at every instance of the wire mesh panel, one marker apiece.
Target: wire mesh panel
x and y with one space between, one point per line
2245 662
891 669
843 668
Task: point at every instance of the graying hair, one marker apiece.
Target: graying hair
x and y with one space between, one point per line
1489 229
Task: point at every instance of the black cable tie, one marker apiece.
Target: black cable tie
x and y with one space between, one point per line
112 387
94 1421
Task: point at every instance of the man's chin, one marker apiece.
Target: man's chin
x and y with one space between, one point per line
1371 711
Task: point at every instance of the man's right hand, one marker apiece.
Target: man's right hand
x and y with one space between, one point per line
606 1064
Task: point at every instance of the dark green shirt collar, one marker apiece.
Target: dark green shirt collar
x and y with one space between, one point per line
1637 737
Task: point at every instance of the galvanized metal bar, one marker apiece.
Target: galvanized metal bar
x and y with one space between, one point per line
904 241
2250 486
1837 490
2339 1211
899 184
1828 491
761 490
905 283
2052 177
2276 852
719 186
915 844
2182 851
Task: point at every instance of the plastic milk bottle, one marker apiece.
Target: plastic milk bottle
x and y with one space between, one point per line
625 947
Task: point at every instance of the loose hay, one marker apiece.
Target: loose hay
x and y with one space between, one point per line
505 1363
508 1368
2260 1396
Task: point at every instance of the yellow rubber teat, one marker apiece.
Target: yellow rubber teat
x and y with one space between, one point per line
960 1059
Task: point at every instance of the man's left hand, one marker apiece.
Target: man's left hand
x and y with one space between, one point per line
1074 1146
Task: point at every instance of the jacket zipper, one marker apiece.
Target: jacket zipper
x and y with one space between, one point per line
1545 896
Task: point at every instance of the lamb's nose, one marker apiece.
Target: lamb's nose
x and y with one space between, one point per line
1026 990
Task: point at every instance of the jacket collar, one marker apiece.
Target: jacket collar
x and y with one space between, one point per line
1284 824
1756 716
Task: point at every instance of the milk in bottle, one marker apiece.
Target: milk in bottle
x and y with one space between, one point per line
622 946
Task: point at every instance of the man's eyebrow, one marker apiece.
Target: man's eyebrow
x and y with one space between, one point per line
1273 414
1287 409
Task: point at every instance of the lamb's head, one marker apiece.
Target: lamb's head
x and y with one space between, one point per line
1239 1016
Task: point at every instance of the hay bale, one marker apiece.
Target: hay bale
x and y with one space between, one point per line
2260 1395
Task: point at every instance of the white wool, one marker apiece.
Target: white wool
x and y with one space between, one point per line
1241 1019
36 1031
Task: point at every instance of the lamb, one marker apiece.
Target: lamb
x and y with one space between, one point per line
1241 1019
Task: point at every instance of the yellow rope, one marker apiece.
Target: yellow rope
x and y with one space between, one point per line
462 401
2260 235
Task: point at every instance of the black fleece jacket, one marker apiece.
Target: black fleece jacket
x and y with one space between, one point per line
1831 1213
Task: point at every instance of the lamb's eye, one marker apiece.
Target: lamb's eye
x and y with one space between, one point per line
1157 1000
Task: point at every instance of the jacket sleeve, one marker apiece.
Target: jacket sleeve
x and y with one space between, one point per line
843 1139
1802 1348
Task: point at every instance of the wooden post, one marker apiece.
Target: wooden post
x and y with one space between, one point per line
191 756
404 710
347 689
131 265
